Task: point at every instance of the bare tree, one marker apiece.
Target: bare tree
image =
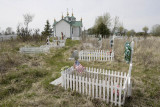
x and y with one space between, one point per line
115 24
27 19
8 31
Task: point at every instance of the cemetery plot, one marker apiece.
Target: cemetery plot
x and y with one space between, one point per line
96 55
110 86
41 49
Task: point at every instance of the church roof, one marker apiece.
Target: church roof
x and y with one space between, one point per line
76 23
73 23
59 21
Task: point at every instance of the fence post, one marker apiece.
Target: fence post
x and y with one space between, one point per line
130 69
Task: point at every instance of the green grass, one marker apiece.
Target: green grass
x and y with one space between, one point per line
19 81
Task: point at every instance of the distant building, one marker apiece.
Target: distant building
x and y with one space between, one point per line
68 26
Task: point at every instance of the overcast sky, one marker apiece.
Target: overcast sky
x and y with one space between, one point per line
134 14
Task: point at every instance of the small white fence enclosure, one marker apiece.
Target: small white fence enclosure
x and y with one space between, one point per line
96 55
110 86
41 49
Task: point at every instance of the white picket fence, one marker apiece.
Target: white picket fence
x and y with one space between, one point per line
96 55
110 86
30 50
58 43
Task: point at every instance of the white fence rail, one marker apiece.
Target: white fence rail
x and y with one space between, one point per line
96 55
41 49
110 86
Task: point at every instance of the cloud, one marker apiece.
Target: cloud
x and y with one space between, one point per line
134 14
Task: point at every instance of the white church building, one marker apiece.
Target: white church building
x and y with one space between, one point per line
69 27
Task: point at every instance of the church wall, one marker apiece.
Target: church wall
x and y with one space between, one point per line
76 32
64 27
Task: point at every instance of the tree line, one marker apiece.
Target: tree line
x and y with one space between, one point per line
25 33
105 25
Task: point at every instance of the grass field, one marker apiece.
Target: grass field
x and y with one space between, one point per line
25 79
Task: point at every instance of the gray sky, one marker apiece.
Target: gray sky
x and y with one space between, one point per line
134 14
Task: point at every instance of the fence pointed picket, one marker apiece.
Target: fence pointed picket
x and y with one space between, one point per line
111 56
106 57
121 77
118 78
96 88
106 76
89 86
114 73
79 84
89 55
82 55
71 81
62 75
111 92
107 91
101 55
120 91
65 83
115 85
86 86
112 76
93 87
124 79
103 90
68 81
100 88
83 85
96 55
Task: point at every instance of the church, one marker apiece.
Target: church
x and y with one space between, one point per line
68 26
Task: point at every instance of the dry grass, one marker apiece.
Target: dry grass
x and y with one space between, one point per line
35 72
